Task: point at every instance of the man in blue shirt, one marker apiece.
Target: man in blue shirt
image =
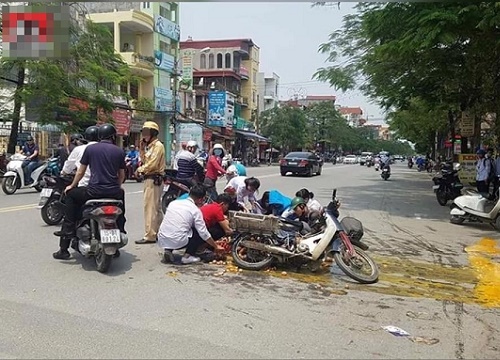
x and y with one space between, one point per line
30 149
133 155
107 167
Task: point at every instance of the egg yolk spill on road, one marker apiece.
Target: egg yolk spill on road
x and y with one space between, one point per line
480 254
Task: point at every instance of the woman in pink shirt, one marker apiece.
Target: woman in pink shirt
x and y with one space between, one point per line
214 170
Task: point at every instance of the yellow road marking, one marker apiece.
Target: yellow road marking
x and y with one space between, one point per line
18 208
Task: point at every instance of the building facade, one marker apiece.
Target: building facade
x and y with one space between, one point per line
353 115
146 35
268 91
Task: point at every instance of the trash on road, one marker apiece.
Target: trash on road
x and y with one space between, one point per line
424 340
421 315
394 330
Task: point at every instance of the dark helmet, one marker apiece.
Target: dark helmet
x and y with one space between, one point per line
92 133
29 138
253 182
76 137
106 131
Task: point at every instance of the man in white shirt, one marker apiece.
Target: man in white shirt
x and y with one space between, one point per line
183 226
72 164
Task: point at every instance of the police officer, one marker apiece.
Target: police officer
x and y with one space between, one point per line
152 169
107 166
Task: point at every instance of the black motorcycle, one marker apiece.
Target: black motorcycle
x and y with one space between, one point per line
410 164
447 186
52 198
174 188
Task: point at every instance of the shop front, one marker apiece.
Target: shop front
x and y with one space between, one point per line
248 146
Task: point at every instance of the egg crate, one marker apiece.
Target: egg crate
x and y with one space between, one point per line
253 223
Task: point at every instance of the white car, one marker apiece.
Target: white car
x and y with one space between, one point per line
351 159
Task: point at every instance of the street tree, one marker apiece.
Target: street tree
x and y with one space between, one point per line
286 126
92 73
444 54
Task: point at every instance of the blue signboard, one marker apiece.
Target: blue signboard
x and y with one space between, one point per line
163 99
167 28
164 61
216 108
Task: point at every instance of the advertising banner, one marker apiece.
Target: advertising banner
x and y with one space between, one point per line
188 132
164 61
163 99
167 28
216 108
467 173
186 82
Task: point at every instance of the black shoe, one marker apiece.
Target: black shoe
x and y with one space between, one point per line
61 255
61 233
144 241
168 257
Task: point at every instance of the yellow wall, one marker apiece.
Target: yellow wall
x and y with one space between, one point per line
249 88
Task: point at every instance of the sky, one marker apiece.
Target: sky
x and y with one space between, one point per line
288 34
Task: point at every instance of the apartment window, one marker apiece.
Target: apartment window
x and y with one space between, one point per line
254 76
219 61
254 97
211 63
164 47
124 88
164 12
228 61
134 90
146 5
203 61
173 15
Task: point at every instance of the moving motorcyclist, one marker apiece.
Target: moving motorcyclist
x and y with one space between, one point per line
187 165
107 165
133 157
72 164
31 151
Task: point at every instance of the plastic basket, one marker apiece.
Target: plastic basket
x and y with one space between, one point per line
253 223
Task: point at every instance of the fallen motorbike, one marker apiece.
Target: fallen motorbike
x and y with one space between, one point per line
14 176
386 172
259 242
97 234
447 186
52 198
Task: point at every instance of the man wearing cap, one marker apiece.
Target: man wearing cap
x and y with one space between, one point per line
152 169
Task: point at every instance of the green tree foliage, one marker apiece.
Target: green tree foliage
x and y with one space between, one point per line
92 72
292 128
443 55
286 126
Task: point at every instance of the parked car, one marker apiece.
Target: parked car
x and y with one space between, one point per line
351 159
304 163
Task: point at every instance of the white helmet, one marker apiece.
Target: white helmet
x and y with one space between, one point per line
218 146
232 170
192 143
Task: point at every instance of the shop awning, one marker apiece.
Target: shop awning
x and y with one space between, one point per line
251 135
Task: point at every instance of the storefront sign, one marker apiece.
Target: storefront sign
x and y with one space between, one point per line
163 99
467 125
216 108
121 119
164 61
207 135
167 28
467 173
188 132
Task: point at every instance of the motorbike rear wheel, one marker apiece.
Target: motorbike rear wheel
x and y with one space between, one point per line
242 259
167 198
350 267
102 260
441 197
51 213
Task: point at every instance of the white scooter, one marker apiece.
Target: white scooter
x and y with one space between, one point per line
13 178
475 207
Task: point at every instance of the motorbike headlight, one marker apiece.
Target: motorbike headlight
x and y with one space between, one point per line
456 166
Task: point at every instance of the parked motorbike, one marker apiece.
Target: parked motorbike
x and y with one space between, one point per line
386 172
97 234
475 207
14 176
447 186
172 188
52 198
260 242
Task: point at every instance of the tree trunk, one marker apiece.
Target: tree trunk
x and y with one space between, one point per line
16 115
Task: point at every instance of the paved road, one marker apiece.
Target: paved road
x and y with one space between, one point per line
143 309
